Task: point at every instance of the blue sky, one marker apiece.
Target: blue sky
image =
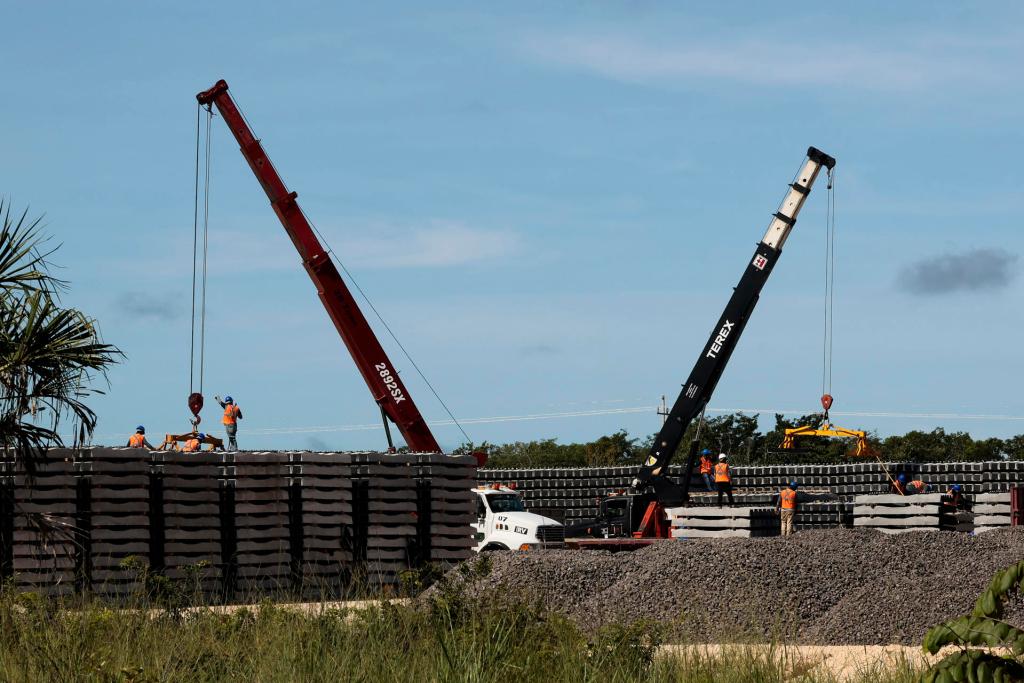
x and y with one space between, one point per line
549 205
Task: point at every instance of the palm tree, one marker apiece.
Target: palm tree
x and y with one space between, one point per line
49 355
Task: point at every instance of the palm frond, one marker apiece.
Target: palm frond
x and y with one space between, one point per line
49 355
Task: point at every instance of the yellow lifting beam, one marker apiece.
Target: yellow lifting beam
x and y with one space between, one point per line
829 429
171 442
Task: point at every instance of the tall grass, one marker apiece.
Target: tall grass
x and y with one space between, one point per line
449 635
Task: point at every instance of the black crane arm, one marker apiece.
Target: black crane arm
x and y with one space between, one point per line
709 367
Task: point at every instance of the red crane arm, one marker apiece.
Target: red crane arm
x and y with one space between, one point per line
380 375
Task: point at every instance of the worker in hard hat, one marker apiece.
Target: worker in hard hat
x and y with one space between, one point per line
723 478
899 485
706 467
917 486
232 414
954 497
786 508
138 439
195 444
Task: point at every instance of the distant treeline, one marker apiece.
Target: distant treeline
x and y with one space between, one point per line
738 435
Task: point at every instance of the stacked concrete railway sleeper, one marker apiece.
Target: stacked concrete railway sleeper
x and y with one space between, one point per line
118 521
572 494
232 526
836 586
44 527
262 544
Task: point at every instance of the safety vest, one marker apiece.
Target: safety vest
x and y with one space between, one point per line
722 472
136 440
705 466
192 445
918 486
787 498
231 412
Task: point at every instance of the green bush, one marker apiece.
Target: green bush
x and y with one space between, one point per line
983 628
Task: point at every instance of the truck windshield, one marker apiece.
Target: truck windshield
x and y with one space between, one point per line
505 502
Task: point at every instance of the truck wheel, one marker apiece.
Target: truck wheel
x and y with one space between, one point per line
490 547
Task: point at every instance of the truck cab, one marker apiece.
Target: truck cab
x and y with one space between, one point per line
502 522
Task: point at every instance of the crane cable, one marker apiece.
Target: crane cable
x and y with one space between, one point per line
330 251
830 288
199 276
830 275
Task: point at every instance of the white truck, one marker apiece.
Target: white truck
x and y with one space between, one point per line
502 522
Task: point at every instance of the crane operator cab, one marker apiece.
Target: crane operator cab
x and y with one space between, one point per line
502 522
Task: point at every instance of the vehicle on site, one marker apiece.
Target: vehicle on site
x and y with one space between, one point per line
639 513
503 523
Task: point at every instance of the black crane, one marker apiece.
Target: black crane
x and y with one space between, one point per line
639 512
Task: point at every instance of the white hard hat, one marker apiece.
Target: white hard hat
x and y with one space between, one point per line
722 456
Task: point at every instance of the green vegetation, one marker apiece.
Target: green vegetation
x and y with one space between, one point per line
982 628
739 436
450 634
49 354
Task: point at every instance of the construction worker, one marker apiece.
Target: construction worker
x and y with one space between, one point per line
195 444
138 439
705 469
899 485
786 508
954 497
232 414
723 478
917 486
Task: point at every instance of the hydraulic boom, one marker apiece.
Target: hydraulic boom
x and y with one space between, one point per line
715 355
380 375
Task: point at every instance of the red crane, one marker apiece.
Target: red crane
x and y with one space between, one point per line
380 375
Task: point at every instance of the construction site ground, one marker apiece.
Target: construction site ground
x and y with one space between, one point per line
820 587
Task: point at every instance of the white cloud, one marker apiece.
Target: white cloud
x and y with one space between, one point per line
434 246
437 244
915 64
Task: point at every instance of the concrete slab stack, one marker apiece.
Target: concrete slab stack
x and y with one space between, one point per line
573 494
118 517
391 514
713 522
228 526
323 524
194 492
991 511
263 556
46 530
894 513
446 506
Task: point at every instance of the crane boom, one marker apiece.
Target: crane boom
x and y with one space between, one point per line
377 370
715 354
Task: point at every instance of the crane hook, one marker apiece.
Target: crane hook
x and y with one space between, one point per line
195 404
826 403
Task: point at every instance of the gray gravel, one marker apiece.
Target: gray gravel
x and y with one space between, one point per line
831 586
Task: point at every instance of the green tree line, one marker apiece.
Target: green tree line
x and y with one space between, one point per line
740 436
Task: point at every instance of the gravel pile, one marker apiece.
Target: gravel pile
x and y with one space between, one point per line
832 586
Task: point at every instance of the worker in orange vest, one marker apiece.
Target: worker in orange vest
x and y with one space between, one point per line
232 414
899 485
955 497
786 508
706 468
723 478
138 439
917 486
195 444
